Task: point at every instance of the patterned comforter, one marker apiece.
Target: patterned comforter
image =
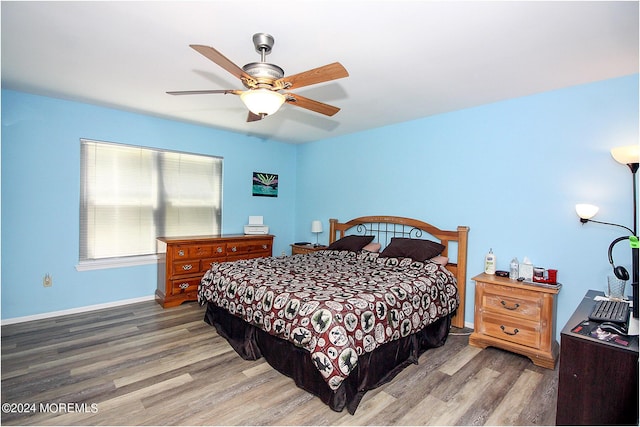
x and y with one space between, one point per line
335 304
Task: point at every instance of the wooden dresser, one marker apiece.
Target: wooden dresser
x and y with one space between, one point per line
517 317
186 260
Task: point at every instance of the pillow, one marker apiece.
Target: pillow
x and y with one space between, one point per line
350 243
416 249
372 247
440 260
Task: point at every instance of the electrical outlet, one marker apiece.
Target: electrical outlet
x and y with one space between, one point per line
47 280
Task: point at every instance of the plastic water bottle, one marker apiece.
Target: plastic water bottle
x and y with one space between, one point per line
513 269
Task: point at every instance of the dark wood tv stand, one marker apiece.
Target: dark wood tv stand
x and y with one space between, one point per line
598 381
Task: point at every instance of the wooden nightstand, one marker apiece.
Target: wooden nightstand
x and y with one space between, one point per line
517 317
305 249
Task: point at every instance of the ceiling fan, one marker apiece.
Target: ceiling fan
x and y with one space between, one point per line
264 81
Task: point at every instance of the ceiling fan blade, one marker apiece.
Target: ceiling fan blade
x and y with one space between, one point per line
204 92
310 104
317 75
222 61
252 117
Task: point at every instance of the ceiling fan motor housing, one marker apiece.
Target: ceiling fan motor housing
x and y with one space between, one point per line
264 73
263 43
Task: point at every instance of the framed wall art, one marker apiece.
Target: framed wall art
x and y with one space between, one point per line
265 184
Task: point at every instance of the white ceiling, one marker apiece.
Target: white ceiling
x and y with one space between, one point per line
406 59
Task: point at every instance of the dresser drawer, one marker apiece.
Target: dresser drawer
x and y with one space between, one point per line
513 302
510 329
250 255
185 286
198 251
179 252
241 248
189 266
219 250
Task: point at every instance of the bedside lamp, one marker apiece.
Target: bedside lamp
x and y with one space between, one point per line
316 227
630 156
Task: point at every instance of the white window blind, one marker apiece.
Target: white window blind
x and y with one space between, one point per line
129 196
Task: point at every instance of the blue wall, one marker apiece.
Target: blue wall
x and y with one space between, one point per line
40 196
512 171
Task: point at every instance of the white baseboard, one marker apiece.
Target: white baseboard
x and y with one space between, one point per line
75 310
469 325
98 307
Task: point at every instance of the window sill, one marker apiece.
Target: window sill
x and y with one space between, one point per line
117 262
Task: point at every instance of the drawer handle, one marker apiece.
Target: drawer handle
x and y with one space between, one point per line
515 331
264 246
514 307
234 249
180 252
219 250
184 286
187 267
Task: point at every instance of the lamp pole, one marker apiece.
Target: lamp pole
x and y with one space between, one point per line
634 248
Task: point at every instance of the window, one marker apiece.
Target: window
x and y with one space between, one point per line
129 196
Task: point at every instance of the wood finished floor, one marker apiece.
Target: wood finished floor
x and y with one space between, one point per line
142 365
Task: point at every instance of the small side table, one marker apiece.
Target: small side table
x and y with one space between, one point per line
305 249
516 316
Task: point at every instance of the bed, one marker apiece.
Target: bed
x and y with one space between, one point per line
348 319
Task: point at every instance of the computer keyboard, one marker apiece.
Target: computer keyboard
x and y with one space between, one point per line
610 311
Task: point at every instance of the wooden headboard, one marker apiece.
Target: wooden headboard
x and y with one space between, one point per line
386 227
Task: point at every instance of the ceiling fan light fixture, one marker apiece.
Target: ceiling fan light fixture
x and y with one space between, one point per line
262 101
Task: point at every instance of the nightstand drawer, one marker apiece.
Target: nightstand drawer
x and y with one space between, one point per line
512 302
510 329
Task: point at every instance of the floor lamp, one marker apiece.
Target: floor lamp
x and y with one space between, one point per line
630 156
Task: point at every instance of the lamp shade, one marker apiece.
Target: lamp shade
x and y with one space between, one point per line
626 155
316 226
586 211
262 101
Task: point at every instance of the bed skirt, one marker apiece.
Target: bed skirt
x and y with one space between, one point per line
373 369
